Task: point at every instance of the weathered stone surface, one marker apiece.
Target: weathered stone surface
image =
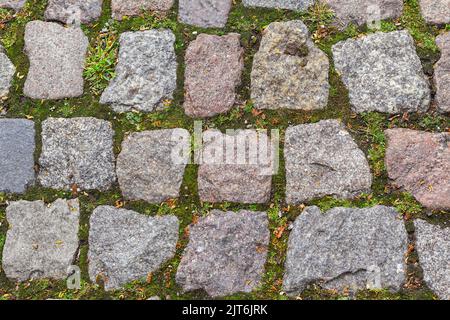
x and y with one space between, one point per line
74 11
213 71
7 71
146 74
17 155
57 57
442 73
204 13
360 12
226 253
420 162
122 8
42 240
12 4
125 246
77 151
280 4
150 166
345 249
241 176
383 73
436 11
289 71
322 159
433 248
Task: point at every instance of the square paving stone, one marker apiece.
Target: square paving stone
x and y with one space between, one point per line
7 71
213 71
42 240
346 249
57 55
125 246
383 72
12 4
322 159
74 11
280 4
360 12
204 13
122 8
442 73
435 11
77 152
151 164
17 146
146 74
237 178
289 71
226 253
433 248
419 162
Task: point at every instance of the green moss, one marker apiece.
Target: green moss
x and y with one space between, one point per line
367 130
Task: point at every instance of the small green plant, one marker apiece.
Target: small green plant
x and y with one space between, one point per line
101 60
375 133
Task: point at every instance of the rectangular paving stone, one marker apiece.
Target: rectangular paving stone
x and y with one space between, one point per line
442 73
240 178
57 55
383 73
149 167
77 152
435 11
226 253
7 71
214 67
420 162
42 239
74 11
322 159
125 246
362 12
280 4
146 74
346 250
12 4
122 8
204 13
17 146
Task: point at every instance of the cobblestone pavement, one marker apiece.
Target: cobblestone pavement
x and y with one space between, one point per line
115 154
